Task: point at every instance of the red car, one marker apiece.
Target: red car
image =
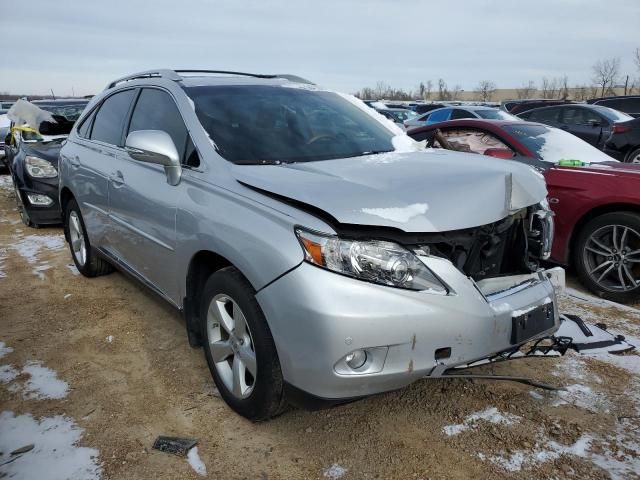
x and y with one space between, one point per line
597 205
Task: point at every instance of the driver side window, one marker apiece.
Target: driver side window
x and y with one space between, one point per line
473 141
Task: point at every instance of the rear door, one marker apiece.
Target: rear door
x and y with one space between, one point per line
88 160
585 124
142 203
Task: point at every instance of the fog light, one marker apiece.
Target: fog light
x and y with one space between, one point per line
37 199
356 359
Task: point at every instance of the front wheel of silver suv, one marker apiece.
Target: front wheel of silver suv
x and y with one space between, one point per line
84 256
239 348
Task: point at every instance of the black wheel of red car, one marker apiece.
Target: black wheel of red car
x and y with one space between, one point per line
239 348
633 156
607 256
24 215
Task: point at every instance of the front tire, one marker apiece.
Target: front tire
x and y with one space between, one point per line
84 256
239 348
22 210
607 256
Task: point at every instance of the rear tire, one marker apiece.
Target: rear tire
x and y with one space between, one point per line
239 348
84 256
607 256
633 156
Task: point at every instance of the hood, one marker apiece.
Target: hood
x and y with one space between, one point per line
428 191
47 150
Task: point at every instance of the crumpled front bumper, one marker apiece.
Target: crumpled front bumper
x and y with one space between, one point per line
317 317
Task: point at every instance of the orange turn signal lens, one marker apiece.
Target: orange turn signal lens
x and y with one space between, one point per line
314 251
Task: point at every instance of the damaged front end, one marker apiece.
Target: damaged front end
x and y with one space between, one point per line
512 246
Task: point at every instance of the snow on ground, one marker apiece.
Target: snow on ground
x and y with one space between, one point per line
5 182
196 463
491 415
43 383
30 246
7 373
334 472
3 257
55 454
39 269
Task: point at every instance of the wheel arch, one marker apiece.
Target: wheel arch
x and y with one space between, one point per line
594 213
202 265
65 197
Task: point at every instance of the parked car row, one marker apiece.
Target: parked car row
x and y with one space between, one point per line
317 252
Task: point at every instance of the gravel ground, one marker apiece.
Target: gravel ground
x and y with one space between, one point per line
92 371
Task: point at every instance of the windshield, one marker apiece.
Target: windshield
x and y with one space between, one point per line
552 144
401 116
69 112
613 115
252 124
495 115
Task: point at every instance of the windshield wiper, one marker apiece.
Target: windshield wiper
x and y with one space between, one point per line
372 152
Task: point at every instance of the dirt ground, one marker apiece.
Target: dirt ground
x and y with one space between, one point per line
132 376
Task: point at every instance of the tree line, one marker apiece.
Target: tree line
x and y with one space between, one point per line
606 78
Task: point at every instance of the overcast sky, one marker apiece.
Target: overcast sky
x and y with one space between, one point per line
340 44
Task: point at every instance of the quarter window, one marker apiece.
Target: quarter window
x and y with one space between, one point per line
108 122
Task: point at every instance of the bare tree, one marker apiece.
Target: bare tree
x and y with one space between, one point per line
485 90
427 90
456 92
443 92
549 87
605 73
564 87
526 90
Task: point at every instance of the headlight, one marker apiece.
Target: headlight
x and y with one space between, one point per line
40 168
385 263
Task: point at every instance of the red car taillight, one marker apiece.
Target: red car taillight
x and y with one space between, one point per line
620 128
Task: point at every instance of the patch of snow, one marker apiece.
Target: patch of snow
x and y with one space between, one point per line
491 415
5 182
582 396
43 383
73 269
37 270
601 302
109 339
67 296
7 373
519 459
398 214
536 395
4 350
55 455
3 257
334 472
29 247
196 463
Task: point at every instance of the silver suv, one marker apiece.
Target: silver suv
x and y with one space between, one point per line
317 252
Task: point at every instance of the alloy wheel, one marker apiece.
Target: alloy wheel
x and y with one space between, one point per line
76 236
636 158
231 346
612 257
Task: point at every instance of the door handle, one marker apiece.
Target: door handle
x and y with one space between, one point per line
117 179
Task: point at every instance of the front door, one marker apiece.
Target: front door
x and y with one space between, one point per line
143 205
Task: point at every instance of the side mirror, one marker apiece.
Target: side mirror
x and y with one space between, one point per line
155 146
499 153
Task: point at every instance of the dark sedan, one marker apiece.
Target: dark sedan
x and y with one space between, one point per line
615 133
32 158
595 198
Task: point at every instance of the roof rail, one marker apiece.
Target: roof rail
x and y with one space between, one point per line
164 73
176 77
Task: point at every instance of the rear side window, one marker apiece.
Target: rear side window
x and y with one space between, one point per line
548 115
156 110
458 113
439 116
109 121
